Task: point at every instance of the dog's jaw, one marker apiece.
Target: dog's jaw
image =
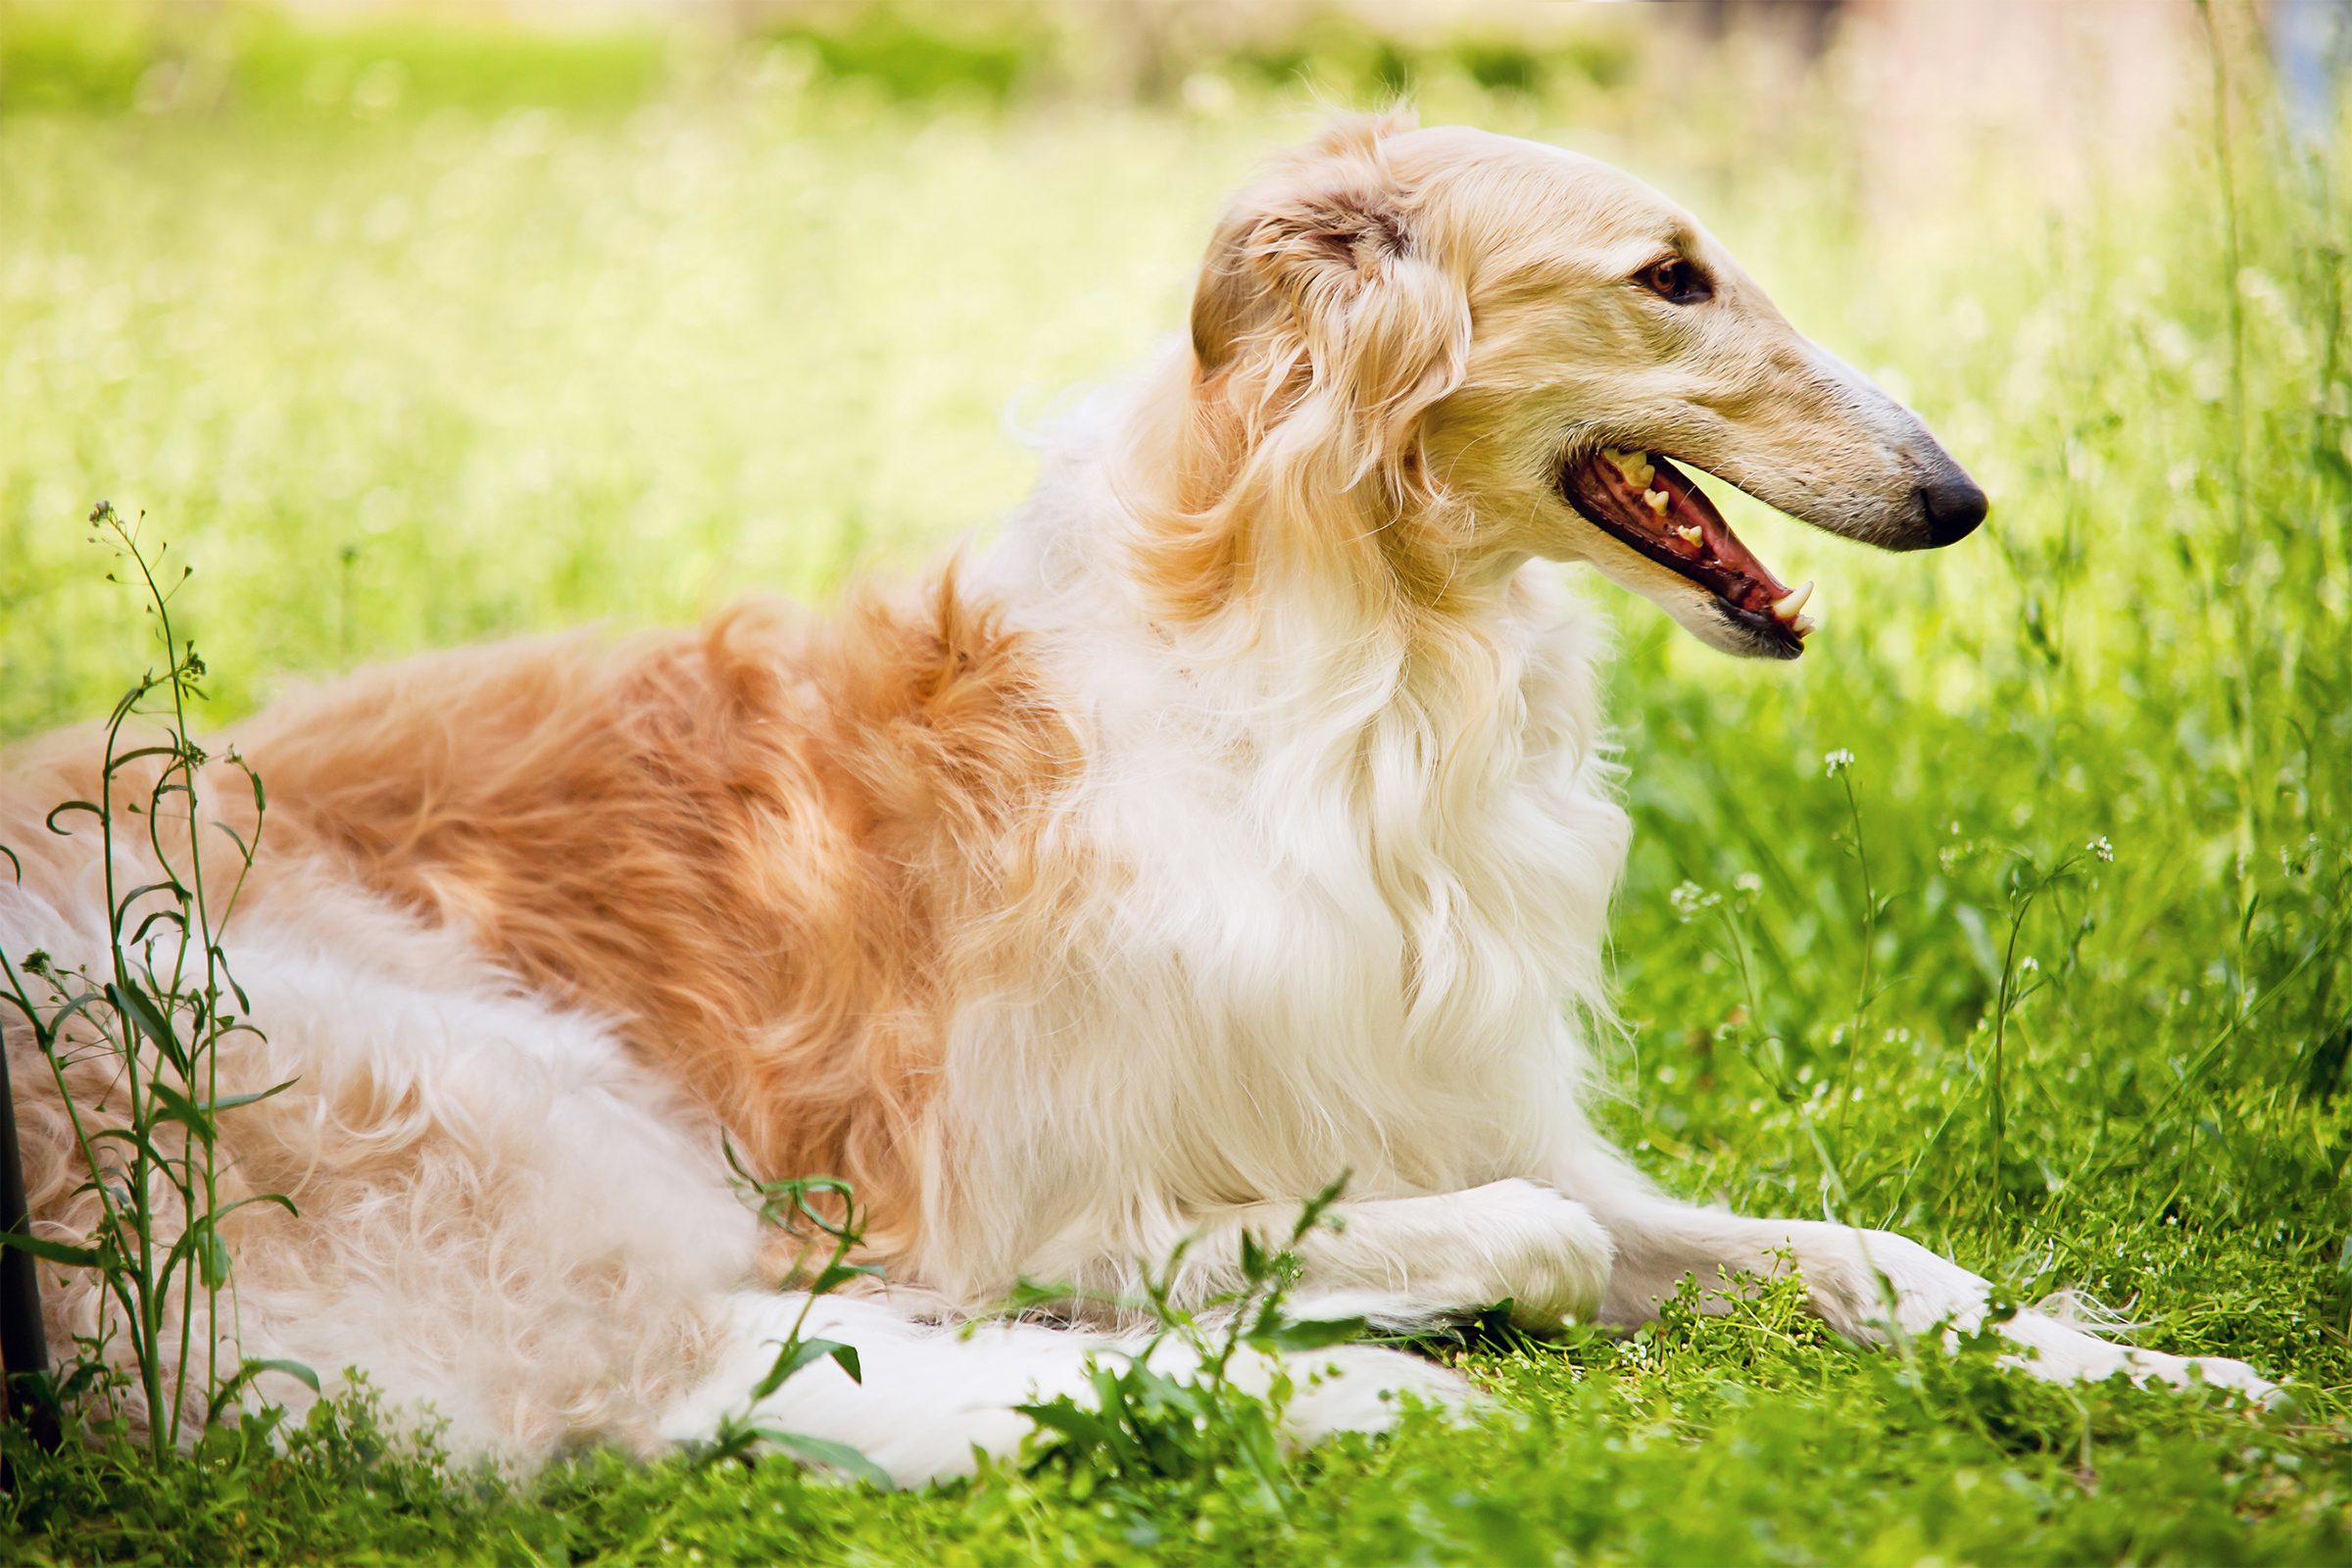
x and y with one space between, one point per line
1684 554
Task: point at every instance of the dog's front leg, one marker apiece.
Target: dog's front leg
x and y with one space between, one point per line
1408 1262
1869 1286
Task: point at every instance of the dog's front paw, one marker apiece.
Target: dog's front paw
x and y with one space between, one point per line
1542 1250
2066 1354
2214 1371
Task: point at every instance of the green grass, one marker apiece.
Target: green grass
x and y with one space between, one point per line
402 356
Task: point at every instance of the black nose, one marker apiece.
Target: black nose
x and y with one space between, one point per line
1953 504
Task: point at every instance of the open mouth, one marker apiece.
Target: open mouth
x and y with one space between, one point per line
1644 503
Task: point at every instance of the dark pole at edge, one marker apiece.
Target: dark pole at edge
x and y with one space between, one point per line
23 1347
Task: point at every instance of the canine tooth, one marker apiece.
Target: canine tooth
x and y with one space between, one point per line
1656 500
1691 535
1633 465
1787 606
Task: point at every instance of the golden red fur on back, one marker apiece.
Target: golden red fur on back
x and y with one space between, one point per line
766 847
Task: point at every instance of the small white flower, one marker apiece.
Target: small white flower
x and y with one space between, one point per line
1749 882
1690 900
1838 762
2101 848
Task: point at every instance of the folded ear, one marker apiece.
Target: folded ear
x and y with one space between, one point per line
1284 255
1321 280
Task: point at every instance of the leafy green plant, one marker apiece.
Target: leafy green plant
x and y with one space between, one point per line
133 1045
821 1213
1137 1423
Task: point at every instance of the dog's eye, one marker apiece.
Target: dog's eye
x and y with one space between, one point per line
1676 282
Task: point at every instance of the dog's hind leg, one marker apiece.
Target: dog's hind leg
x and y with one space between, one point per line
930 1395
1870 1286
930 1398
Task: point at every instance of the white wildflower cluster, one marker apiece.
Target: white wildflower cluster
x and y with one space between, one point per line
1690 901
2102 847
1838 762
1951 856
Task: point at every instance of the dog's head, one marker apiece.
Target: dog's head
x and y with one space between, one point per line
1514 347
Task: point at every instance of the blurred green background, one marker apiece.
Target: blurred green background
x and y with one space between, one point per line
414 324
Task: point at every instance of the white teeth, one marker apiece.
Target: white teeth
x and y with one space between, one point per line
1656 500
1691 536
1786 607
1804 625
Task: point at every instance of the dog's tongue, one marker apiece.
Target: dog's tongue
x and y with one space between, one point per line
1646 494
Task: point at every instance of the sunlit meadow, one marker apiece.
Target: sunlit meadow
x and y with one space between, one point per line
2016 915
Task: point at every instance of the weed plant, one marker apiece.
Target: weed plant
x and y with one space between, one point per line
822 1215
133 1050
1198 1424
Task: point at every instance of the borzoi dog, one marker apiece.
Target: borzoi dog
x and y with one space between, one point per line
1245 816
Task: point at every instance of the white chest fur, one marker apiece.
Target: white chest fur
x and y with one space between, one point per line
1351 903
